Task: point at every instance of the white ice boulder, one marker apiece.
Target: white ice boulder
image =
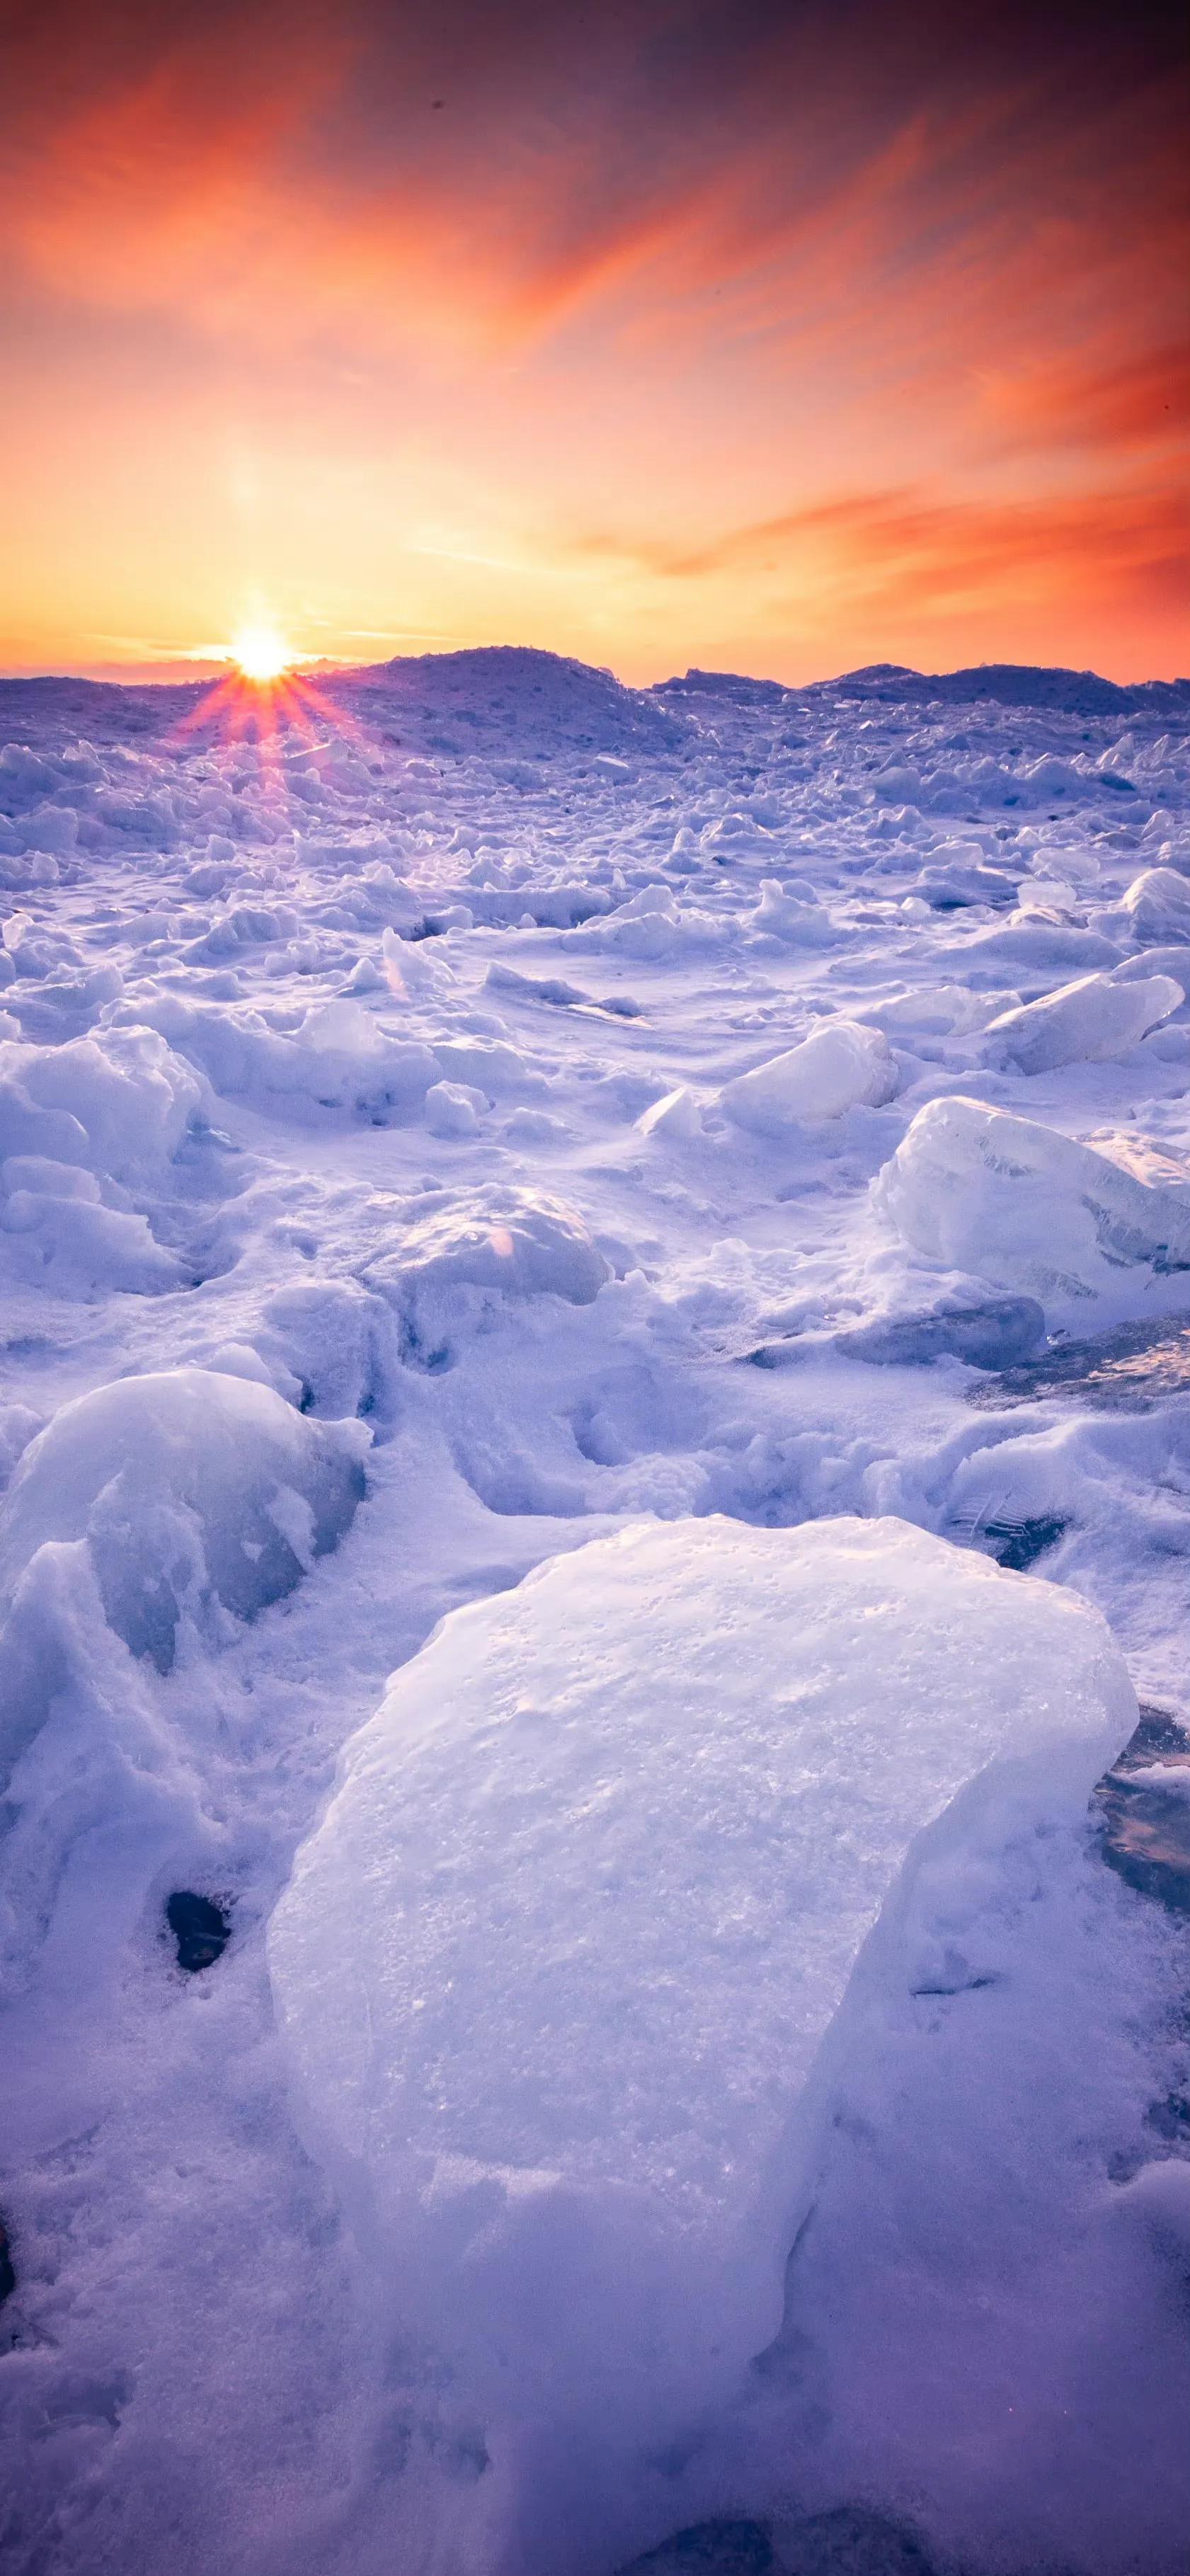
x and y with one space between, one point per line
555 1969
1008 1200
198 1495
1086 1022
842 1065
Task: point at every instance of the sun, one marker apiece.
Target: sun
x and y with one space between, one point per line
260 654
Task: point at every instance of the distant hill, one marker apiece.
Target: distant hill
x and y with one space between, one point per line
1012 684
512 700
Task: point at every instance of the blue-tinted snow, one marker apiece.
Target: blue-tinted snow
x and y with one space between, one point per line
386 1073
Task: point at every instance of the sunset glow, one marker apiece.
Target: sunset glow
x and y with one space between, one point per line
764 337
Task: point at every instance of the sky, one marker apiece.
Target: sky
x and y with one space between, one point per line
771 338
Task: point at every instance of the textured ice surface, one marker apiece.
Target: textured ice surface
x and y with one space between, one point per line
555 1969
981 1190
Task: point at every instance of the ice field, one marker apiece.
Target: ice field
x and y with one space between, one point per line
596 1479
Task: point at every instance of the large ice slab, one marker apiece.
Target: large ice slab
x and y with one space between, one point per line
555 1970
840 1066
1087 1022
1013 1202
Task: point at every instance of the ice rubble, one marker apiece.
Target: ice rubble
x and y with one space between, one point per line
840 1066
555 1969
359 962
983 1191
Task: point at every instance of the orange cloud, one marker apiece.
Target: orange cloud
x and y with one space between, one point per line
913 552
409 293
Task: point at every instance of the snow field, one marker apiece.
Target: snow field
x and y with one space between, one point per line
549 1234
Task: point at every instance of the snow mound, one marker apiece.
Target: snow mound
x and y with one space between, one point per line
840 1066
488 1245
338 1058
509 698
197 1495
796 919
118 1103
59 1235
1087 1022
982 1191
555 1969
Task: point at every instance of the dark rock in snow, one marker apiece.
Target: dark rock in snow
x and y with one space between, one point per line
8 2278
199 1927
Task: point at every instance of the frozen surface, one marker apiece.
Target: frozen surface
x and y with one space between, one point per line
555 1970
439 1131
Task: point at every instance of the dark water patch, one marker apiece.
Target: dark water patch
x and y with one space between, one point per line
848 2541
200 1928
1145 1824
1170 2119
1127 1370
989 1333
1018 1544
715 2548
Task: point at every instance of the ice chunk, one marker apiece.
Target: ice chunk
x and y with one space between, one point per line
1009 1200
1158 905
841 1065
555 1969
1087 1022
196 1493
